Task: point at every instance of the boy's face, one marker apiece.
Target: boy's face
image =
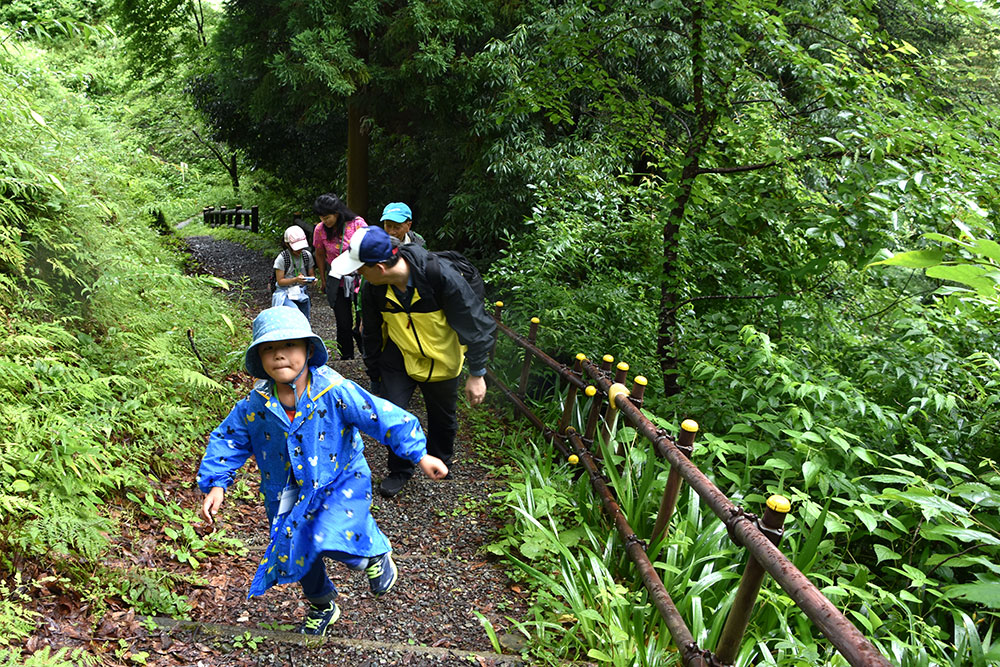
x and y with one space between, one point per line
283 360
397 229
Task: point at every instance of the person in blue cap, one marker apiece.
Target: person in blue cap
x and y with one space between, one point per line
397 220
301 424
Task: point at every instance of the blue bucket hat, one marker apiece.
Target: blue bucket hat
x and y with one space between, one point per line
282 323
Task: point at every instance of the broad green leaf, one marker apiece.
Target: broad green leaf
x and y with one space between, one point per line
933 504
938 531
987 593
967 274
917 259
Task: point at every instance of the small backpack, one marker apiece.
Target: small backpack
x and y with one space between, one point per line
461 264
286 256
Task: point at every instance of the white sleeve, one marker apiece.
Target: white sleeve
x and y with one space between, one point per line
279 262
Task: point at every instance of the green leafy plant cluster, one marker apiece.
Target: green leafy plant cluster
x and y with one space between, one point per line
101 389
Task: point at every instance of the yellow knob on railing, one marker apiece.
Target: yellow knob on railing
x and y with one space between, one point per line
573 459
608 358
535 320
498 304
779 503
641 379
622 366
690 425
591 390
617 389
580 356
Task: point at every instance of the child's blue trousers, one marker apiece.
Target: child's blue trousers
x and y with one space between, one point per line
316 586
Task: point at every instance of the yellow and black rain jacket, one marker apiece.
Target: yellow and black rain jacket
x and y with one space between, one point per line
440 323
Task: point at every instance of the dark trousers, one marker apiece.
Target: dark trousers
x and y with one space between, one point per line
440 399
343 312
316 585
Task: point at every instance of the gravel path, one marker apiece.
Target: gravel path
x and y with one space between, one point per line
437 530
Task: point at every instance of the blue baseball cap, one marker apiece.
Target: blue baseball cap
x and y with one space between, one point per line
397 211
282 323
369 245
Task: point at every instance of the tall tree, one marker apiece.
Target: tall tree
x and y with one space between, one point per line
767 129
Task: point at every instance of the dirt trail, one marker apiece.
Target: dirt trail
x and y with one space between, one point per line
437 530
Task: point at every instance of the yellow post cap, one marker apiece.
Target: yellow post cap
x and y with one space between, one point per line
498 304
573 458
622 366
591 390
779 504
608 358
690 425
535 320
641 379
616 390
581 356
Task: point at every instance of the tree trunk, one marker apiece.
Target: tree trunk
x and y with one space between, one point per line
234 175
357 160
666 339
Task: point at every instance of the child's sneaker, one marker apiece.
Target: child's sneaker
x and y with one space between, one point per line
319 619
382 574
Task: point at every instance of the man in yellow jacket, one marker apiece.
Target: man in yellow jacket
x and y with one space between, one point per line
421 321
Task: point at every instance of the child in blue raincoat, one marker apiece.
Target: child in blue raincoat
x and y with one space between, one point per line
301 424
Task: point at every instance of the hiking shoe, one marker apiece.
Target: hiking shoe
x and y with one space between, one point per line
382 574
319 619
392 484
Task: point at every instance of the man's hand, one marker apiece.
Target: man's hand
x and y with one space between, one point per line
213 501
433 467
475 389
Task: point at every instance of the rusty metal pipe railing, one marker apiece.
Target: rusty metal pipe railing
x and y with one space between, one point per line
853 645
550 435
683 639
541 356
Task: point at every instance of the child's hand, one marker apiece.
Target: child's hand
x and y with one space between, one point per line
213 501
432 466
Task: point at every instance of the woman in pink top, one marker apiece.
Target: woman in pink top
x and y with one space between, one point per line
330 239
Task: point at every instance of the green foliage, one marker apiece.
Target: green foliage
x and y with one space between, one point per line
100 390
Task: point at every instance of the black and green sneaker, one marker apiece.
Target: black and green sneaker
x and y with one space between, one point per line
382 574
319 619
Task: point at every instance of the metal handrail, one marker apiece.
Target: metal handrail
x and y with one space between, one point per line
743 528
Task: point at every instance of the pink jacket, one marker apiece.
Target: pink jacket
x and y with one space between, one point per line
334 245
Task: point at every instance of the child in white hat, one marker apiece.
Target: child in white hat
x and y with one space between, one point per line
294 270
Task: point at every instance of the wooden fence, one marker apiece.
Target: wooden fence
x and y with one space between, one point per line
238 217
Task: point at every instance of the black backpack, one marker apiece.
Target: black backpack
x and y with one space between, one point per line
307 264
461 264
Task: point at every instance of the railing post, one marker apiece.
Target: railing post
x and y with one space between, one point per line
746 595
568 408
526 368
497 315
638 391
611 414
685 443
254 219
595 412
606 362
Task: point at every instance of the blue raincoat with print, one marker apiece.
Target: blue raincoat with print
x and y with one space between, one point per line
321 453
